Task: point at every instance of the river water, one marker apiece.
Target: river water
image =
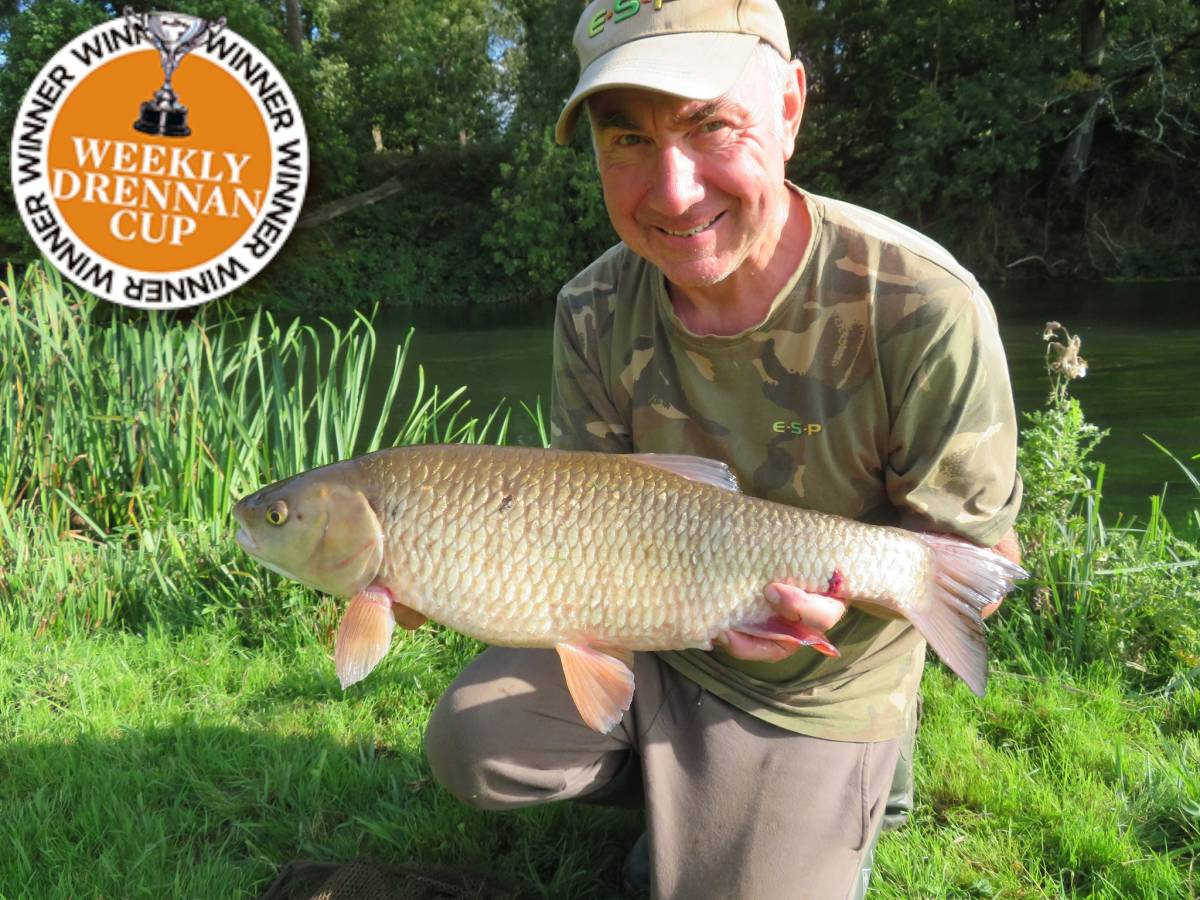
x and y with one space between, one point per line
1141 341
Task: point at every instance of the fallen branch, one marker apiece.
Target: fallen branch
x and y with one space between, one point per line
335 208
1106 239
1035 258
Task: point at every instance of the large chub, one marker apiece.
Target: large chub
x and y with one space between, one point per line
965 579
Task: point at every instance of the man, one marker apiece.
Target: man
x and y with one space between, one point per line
837 361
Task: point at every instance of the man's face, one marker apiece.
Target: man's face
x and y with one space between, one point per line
697 186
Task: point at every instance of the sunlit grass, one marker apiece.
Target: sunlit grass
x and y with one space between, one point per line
1049 788
187 765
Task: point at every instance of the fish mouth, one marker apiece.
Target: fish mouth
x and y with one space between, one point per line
248 543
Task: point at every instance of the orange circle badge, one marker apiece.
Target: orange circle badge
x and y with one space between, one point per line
159 161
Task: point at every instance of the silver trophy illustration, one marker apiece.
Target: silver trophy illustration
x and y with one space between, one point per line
174 36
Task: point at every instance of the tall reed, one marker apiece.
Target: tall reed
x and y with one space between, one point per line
114 417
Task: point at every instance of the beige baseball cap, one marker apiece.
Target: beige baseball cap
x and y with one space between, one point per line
688 48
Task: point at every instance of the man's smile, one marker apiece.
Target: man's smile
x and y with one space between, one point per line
691 232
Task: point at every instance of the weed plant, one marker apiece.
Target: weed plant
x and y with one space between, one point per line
170 724
1124 597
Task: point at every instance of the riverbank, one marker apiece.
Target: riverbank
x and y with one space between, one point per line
172 724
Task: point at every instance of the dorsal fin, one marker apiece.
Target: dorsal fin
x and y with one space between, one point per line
694 468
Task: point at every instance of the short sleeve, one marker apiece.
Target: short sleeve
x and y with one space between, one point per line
952 455
583 415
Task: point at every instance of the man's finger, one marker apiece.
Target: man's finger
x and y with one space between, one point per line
755 649
816 610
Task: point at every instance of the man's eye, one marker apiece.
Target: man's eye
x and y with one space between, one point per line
713 125
629 140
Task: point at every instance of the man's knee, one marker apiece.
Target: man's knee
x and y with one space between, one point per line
491 743
455 742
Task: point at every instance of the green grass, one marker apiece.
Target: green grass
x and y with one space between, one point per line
1061 787
116 418
190 765
170 723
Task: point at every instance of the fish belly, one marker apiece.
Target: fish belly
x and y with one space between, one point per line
533 548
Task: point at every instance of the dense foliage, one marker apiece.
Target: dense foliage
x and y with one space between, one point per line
1037 137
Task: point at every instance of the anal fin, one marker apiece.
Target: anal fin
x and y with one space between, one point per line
600 684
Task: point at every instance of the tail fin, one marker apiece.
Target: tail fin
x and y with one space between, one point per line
964 581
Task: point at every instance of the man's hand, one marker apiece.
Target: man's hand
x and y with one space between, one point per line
815 610
1010 548
820 612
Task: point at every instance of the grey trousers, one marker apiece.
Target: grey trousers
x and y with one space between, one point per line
735 807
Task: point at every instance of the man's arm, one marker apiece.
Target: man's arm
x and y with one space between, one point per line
952 466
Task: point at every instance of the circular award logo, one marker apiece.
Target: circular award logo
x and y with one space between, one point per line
159 160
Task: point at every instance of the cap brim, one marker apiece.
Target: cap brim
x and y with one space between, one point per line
696 65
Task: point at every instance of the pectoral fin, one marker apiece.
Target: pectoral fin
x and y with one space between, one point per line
789 631
601 685
363 636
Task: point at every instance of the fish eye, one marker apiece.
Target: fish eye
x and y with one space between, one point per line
277 513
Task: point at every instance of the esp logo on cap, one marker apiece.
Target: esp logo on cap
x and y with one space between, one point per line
622 10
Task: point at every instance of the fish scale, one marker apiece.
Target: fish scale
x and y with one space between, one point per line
682 560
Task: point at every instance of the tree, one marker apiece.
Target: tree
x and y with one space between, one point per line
422 73
541 61
294 25
549 219
966 119
29 36
1091 97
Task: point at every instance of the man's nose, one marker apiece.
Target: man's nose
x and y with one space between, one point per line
677 185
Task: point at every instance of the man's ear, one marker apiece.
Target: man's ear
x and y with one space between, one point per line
793 105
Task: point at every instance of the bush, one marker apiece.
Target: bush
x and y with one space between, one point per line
549 220
418 246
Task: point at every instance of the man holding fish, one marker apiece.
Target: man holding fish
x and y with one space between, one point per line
836 361
745 336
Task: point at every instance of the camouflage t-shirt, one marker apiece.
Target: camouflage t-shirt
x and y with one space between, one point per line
875 388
